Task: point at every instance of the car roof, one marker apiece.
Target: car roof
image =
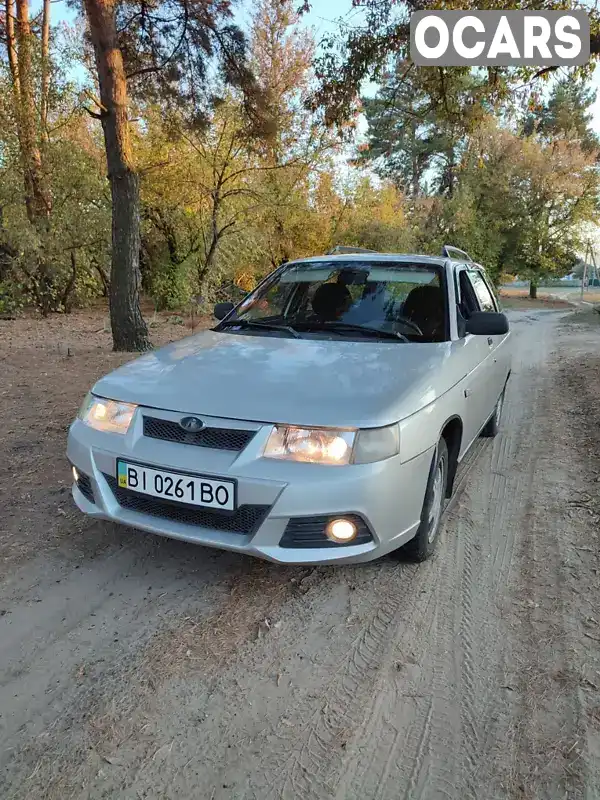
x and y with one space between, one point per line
412 258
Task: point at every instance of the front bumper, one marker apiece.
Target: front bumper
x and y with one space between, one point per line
387 495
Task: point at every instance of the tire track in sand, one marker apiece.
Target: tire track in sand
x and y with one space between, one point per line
440 747
307 772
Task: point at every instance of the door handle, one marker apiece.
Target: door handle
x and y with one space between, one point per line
490 341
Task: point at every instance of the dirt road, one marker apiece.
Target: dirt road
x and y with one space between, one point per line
135 667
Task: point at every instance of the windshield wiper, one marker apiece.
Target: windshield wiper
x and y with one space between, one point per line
251 323
349 327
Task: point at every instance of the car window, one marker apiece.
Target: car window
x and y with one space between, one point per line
467 299
484 296
492 290
392 297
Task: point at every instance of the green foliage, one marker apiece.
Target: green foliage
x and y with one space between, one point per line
565 114
418 126
365 50
54 262
516 193
446 161
12 298
170 285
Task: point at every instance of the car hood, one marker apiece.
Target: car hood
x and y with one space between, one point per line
273 379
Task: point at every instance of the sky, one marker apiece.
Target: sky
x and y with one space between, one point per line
324 17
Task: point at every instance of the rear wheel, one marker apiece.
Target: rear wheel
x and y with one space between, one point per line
423 544
493 424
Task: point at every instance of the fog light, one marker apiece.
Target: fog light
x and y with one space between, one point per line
341 530
75 475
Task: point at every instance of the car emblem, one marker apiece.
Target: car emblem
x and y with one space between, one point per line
191 424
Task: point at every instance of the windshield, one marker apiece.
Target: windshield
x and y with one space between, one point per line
390 297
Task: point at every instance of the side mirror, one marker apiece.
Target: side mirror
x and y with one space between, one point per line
486 323
222 309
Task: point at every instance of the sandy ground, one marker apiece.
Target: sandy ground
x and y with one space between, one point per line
137 667
558 294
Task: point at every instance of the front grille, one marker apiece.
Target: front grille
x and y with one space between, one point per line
245 520
217 438
310 531
84 484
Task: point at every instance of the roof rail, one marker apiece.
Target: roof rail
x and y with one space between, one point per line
340 249
447 251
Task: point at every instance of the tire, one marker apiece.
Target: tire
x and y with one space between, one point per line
492 426
422 546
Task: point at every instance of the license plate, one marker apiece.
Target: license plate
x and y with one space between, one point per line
177 486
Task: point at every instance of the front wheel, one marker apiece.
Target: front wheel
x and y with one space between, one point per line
422 546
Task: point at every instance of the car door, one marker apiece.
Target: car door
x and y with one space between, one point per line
497 345
474 354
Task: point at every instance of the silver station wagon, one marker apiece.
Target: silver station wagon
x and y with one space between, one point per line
322 419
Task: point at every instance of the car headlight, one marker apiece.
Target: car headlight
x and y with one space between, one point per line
109 416
333 446
376 444
316 445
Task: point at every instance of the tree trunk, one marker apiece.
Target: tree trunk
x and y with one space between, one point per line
145 269
128 327
37 197
204 273
11 46
13 60
205 270
532 290
103 277
166 290
45 71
